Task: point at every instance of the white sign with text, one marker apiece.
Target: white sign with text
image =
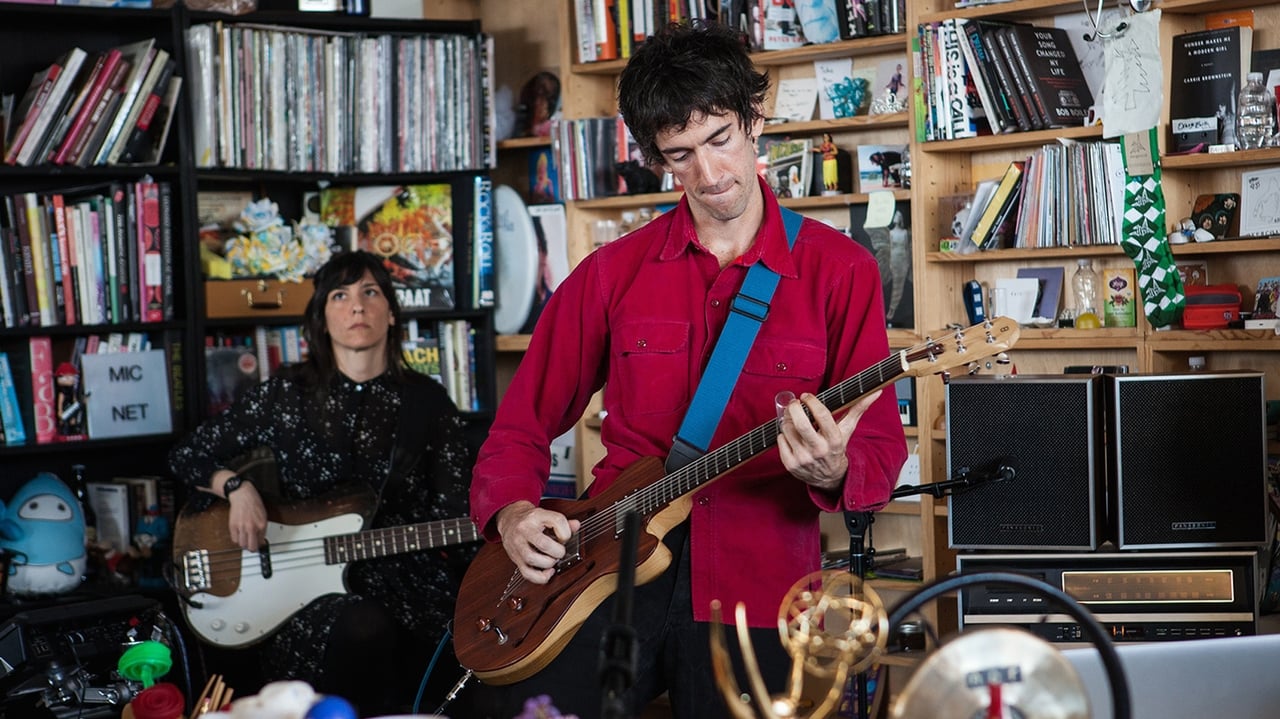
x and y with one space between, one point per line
127 394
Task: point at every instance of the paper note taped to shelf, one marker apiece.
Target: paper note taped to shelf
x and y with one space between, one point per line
880 205
127 394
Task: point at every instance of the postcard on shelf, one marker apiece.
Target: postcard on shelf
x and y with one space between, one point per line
409 226
880 167
890 241
1193 272
788 166
796 97
835 88
1260 202
1264 299
1049 295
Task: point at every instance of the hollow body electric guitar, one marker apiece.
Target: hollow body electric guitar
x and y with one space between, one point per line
506 628
234 598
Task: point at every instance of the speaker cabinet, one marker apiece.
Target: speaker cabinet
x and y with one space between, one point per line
1048 429
1187 460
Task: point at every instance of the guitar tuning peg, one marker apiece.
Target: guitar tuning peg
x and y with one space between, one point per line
974 368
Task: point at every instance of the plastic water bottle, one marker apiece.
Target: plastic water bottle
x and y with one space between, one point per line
1084 285
1255 114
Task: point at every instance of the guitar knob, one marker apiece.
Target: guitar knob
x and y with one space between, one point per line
217 625
516 603
484 624
241 627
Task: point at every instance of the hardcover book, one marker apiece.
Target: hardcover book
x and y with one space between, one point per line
1053 70
1207 69
410 227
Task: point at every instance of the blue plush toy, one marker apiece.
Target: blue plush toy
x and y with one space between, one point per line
42 529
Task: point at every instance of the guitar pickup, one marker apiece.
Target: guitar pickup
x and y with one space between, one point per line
195 570
264 560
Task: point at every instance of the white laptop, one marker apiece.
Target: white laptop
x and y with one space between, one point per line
1230 677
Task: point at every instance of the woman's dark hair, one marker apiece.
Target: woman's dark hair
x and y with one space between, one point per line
686 69
342 269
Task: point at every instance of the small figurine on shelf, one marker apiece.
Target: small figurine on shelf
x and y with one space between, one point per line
69 408
539 103
837 168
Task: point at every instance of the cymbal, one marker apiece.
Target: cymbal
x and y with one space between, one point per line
1021 674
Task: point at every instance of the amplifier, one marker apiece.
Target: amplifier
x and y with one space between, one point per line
1137 596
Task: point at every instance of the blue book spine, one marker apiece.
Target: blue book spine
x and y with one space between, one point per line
483 293
14 433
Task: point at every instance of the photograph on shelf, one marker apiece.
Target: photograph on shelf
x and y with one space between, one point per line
409 226
544 176
1216 214
889 89
880 167
788 166
1264 299
890 242
1194 273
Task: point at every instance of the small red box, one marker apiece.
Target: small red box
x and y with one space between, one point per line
1211 307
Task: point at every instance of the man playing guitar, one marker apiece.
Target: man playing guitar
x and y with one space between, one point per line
639 318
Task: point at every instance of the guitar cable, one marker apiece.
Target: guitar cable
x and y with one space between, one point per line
457 687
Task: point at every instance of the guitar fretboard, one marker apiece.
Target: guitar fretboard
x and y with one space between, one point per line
721 460
398 540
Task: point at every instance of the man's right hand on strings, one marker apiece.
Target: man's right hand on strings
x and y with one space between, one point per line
534 538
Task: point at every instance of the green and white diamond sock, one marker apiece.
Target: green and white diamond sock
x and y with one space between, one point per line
1145 243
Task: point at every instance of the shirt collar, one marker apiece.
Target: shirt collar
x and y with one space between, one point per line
770 245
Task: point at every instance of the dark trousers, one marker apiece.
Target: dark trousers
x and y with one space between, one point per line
674 656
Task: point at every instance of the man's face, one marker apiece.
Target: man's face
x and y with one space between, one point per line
714 158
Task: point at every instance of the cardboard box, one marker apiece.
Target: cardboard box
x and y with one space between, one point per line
250 298
1118 306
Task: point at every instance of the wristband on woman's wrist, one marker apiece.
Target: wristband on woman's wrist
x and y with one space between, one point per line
233 483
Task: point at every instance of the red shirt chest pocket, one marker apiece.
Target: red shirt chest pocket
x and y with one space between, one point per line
777 364
652 366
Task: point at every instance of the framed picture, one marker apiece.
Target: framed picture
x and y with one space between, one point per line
892 248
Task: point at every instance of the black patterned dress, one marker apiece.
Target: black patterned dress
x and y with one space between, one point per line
322 443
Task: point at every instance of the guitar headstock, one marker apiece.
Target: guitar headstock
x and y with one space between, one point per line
946 349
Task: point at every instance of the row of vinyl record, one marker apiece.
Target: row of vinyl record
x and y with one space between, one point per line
312 101
99 255
86 387
96 108
1058 196
977 76
237 360
612 29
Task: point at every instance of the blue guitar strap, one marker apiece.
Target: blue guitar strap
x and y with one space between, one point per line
749 309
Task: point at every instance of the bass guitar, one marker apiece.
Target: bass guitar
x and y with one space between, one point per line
234 598
506 628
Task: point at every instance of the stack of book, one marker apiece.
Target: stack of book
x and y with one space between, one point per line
977 76
96 108
91 256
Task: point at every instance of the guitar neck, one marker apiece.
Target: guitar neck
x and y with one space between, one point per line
723 459
386 542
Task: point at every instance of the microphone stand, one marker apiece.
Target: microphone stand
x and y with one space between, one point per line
618 648
862 555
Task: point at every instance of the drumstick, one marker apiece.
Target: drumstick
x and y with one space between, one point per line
204 694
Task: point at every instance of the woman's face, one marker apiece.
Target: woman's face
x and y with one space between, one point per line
358 316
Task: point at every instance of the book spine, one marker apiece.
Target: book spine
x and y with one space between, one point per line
485 294
1017 52
19 262
166 250
38 245
138 101
150 254
42 389
994 101
1007 88
53 259
69 287
137 147
10 410
29 121
6 291
108 76
55 105
129 97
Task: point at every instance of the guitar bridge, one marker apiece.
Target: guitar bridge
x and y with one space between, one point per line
195 571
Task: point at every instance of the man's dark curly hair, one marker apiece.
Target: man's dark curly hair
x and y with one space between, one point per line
683 70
